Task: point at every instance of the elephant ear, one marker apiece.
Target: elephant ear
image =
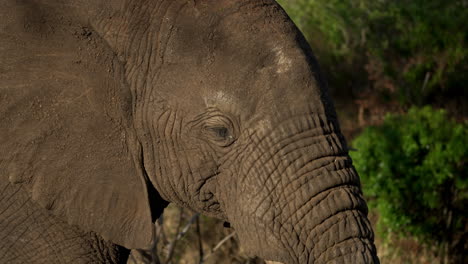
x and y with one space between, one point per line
67 135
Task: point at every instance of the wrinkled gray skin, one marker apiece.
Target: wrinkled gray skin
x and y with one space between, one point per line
109 110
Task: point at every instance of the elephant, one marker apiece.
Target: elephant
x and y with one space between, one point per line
110 110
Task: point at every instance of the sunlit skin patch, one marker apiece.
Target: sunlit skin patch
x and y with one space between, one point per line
283 62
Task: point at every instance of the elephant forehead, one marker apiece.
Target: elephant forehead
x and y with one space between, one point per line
246 60
238 32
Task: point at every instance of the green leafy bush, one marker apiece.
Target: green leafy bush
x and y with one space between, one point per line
414 173
416 50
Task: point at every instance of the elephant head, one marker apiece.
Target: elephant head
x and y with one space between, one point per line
217 106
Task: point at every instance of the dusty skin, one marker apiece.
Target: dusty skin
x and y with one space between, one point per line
111 109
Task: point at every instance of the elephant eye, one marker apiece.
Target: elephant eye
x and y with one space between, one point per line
221 132
219 135
218 129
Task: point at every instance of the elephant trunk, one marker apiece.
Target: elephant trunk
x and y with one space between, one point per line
303 197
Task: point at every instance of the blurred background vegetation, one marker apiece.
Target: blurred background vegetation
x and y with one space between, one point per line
397 71
414 176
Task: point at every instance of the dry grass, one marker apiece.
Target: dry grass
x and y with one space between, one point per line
404 251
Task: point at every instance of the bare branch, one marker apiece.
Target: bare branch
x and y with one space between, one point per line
187 226
173 243
200 244
220 243
180 234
